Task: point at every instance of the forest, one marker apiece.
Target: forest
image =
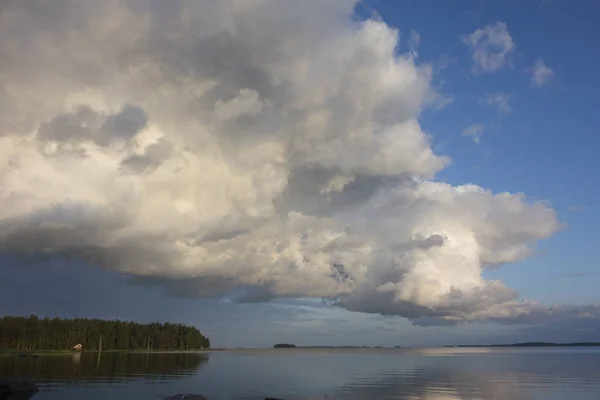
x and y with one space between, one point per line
33 333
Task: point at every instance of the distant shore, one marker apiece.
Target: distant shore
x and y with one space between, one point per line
30 353
293 346
524 344
532 344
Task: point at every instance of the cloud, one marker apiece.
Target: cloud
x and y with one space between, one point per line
580 274
443 101
542 74
444 61
575 275
247 150
531 312
499 101
474 132
84 124
490 47
414 40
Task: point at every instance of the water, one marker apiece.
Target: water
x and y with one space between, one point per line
407 374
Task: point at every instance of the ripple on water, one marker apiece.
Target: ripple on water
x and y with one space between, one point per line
349 375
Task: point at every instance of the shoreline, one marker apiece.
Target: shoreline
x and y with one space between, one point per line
30 353
70 352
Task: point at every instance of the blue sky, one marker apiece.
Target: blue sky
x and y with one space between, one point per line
545 147
505 129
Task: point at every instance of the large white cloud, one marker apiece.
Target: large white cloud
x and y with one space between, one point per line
269 148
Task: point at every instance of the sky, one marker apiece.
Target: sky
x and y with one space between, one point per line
325 172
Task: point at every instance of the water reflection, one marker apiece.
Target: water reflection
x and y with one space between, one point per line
76 358
404 374
105 366
415 374
482 374
430 384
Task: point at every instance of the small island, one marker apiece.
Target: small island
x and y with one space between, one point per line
81 334
284 346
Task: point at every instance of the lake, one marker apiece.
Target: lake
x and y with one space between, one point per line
408 374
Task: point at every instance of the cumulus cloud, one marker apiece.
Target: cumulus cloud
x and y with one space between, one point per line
490 46
253 149
474 132
542 74
500 101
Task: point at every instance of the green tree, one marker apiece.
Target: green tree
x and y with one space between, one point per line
32 333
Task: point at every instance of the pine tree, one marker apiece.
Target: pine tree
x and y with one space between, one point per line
32 333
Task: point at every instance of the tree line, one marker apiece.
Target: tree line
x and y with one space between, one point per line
33 333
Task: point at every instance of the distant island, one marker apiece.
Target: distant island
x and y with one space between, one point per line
293 346
284 346
33 333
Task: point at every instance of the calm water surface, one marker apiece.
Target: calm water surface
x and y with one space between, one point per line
408 374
